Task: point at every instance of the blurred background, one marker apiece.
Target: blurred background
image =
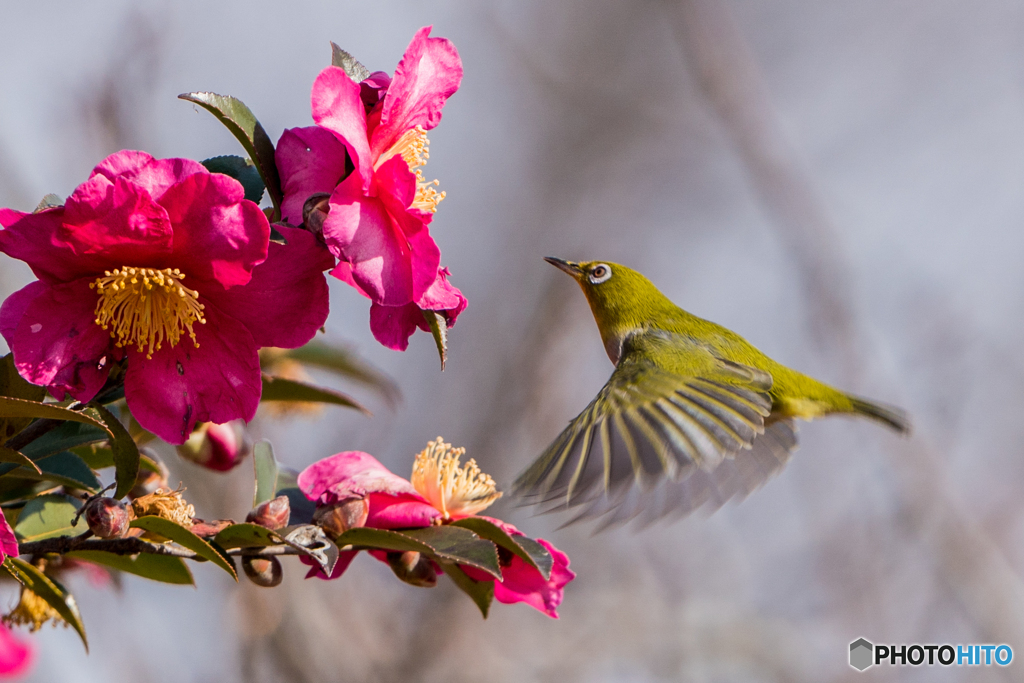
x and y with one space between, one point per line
839 182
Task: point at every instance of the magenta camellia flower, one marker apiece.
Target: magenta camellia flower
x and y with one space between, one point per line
441 490
378 216
8 541
16 655
168 265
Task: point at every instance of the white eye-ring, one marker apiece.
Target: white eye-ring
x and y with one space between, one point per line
599 273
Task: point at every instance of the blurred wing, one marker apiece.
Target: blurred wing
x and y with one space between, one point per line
658 442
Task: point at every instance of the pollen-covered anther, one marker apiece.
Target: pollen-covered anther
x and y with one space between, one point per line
147 307
455 491
414 147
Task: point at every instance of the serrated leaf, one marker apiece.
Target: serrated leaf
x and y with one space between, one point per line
439 329
46 517
453 544
349 64
162 568
265 466
533 553
13 385
348 364
240 169
186 539
124 450
50 590
246 535
281 389
242 123
13 456
481 592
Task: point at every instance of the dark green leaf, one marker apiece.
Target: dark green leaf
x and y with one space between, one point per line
66 437
438 328
265 466
50 590
277 237
11 455
64 468
12 489
348 364
125 451
482 592
16 407
453 544
281 389
163 568
99 456
349 64
187 539
242 123
50 201
533 553
246 536
46 517
241 170
12 385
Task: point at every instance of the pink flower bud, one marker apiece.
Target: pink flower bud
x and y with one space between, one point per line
273 514
107 518
339 517
413 568
216 446
263 571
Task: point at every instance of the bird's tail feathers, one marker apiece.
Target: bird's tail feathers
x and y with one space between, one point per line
891 416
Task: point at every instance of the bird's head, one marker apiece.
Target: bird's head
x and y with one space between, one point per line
621 299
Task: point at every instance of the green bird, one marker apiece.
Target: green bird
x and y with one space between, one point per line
692 416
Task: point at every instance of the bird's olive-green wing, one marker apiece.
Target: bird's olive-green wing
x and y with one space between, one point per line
674 427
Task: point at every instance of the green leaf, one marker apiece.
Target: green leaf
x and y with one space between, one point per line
482 592
241 170
12 385
449 543
533 553
242 123
348 364
125 451
349 64
66 437
265 465
99 456
187 539
46 517
11 455
246 535
16 407
50 590
163 568
50 201
281 389
64 468
438 328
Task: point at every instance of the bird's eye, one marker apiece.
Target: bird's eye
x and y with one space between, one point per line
600 273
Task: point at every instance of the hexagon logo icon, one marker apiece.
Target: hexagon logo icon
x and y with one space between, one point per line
861 654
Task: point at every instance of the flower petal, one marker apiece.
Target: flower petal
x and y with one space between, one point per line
523 583
16 655
286 301
14 308
155 176
217 381
404 511
8 543
57 342
344 560
310 160
351 474
429 73
338 107
219 236
393 325
39 239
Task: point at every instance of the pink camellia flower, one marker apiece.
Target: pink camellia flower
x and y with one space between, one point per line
8 541
379 212
218 447
168 265
441 490
16 655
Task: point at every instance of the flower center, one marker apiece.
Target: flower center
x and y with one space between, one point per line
146 307
456 491
414 147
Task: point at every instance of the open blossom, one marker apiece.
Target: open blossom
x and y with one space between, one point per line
162 263
441 489
379 212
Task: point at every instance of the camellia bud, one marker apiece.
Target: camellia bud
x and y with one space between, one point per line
413 568
339 517
263 571
273 514
314 212
216 446
107 518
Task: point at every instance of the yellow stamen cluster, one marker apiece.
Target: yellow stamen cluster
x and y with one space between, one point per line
414 147
32 611
455 491
146 307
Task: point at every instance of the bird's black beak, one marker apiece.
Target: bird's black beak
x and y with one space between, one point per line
565 266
